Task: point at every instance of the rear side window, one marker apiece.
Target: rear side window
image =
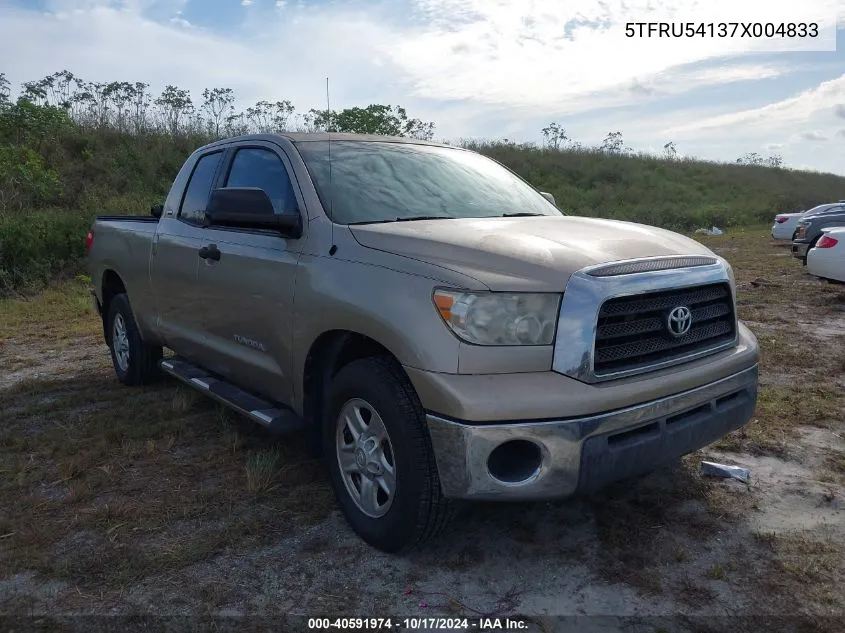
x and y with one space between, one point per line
199 188
255 167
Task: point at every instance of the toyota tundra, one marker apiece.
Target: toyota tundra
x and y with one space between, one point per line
433 323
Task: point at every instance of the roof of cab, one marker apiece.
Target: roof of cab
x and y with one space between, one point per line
297 137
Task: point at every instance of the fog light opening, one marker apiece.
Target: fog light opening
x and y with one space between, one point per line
514 461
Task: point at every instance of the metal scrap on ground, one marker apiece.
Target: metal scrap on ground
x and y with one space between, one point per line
712 469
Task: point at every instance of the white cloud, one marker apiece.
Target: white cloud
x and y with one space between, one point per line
528 53
104 43
552 58
814 135
484 68
810 106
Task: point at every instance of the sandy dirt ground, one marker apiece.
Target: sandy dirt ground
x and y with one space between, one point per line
154 501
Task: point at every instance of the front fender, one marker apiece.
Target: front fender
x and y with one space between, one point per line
394 309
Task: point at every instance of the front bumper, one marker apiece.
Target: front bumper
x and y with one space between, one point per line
799 249
582 454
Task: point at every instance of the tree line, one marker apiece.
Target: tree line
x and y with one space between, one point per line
130 107
556 137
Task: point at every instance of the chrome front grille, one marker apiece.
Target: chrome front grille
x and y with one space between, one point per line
633 332
613 317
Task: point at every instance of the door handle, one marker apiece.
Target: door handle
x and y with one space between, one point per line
210 252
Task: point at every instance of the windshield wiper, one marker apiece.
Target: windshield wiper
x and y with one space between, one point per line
521 215
425 217
408 219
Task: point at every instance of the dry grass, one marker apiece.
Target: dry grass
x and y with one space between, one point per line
806 566
103 486
791 314
55 318
262 468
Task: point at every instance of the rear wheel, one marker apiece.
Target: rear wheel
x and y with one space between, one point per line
135 362
380 457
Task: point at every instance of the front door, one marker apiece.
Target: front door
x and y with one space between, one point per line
248 291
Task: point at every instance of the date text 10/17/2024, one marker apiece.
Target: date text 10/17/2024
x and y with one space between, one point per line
410 624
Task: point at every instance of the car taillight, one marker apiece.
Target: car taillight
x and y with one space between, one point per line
781 219
827 242
89 241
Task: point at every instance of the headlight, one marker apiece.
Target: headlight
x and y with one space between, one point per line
499 318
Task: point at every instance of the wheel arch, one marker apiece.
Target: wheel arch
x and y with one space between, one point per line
110 286
327 355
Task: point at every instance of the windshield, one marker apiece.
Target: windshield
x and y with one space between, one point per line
379 182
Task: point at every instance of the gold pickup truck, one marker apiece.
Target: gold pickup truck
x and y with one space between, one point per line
434 324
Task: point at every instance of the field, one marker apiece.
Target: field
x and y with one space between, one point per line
119 501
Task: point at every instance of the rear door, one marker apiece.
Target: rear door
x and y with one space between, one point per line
249 290
174 259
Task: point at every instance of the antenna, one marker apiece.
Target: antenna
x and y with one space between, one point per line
331 185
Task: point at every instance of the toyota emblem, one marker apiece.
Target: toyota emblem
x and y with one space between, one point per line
679 321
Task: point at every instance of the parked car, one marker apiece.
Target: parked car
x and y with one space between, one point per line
809 228
428 318
785 224
827 258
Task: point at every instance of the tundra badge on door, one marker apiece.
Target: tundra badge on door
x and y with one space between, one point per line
242 340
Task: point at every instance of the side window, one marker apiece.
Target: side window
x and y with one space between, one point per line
199 188
254 167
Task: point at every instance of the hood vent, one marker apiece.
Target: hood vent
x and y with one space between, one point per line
649 265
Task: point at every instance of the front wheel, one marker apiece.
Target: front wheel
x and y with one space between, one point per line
380 457
135 362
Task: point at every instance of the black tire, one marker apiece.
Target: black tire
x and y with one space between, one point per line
419 511
142 366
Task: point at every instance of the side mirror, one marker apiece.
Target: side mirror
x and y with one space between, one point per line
548 197
156 210
249 208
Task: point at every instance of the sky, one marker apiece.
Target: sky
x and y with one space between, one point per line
491 69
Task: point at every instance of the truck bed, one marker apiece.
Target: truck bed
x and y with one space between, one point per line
127 218
121 245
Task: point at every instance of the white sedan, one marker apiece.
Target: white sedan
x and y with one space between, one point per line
827 258
785 224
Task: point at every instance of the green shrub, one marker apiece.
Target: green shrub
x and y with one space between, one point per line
675 194
25 181
36 246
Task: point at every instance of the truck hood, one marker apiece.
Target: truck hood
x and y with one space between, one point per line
531 253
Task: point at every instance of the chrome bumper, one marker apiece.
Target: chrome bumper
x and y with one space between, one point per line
583 454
